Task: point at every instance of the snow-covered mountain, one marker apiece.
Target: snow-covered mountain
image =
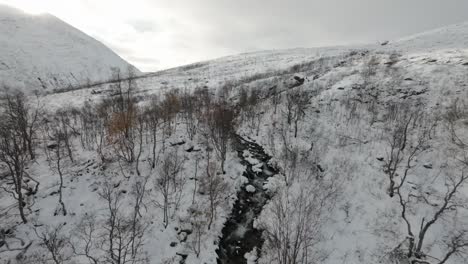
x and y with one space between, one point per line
41 52
320 136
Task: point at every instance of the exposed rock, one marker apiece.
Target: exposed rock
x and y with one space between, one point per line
183 255
186 228
182 236
52 146
320 168
249 188
299 79
178 143
427 166
384 43
192 149
96 92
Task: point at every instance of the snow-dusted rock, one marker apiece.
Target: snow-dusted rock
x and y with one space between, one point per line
250 188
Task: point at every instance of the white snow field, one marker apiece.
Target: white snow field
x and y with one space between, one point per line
42 53
356 98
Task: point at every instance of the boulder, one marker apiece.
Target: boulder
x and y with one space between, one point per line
250 188
427 166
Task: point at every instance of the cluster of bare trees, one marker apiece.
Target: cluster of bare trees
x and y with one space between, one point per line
120 129
296 216
214 186
404 124
170 185
204 211
116 237
124 232
293 221
296 103
249 103
17 142
411 137
59 131
220 122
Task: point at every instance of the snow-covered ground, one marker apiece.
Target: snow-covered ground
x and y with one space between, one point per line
355 96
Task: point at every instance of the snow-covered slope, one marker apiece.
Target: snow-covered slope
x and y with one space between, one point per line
453 37
333 162
43 53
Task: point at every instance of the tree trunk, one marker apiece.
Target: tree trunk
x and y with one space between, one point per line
21 207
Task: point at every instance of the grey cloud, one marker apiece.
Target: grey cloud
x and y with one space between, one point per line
222 27
323 22
143 25
145 64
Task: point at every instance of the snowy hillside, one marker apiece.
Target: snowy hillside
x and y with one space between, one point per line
451 38
41 52
340 155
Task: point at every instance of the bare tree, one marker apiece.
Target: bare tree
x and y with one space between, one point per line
153 122
441 205
220 120
457 112
249 106
121 133
169 108
296 103
137 225
123 116
276 97
289 156
170 184
85 239
58 157
189 104
55 243
140 126
14 155
120 237
455 243
124 236
11 243
195 178
22 118
243 101
61 145
65 134
401 120
199 223
297 216
214 186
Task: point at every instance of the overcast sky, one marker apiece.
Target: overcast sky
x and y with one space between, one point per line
157 34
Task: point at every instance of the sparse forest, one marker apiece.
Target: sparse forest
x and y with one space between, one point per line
283 167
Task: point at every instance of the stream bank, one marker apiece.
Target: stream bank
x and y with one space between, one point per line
239 235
